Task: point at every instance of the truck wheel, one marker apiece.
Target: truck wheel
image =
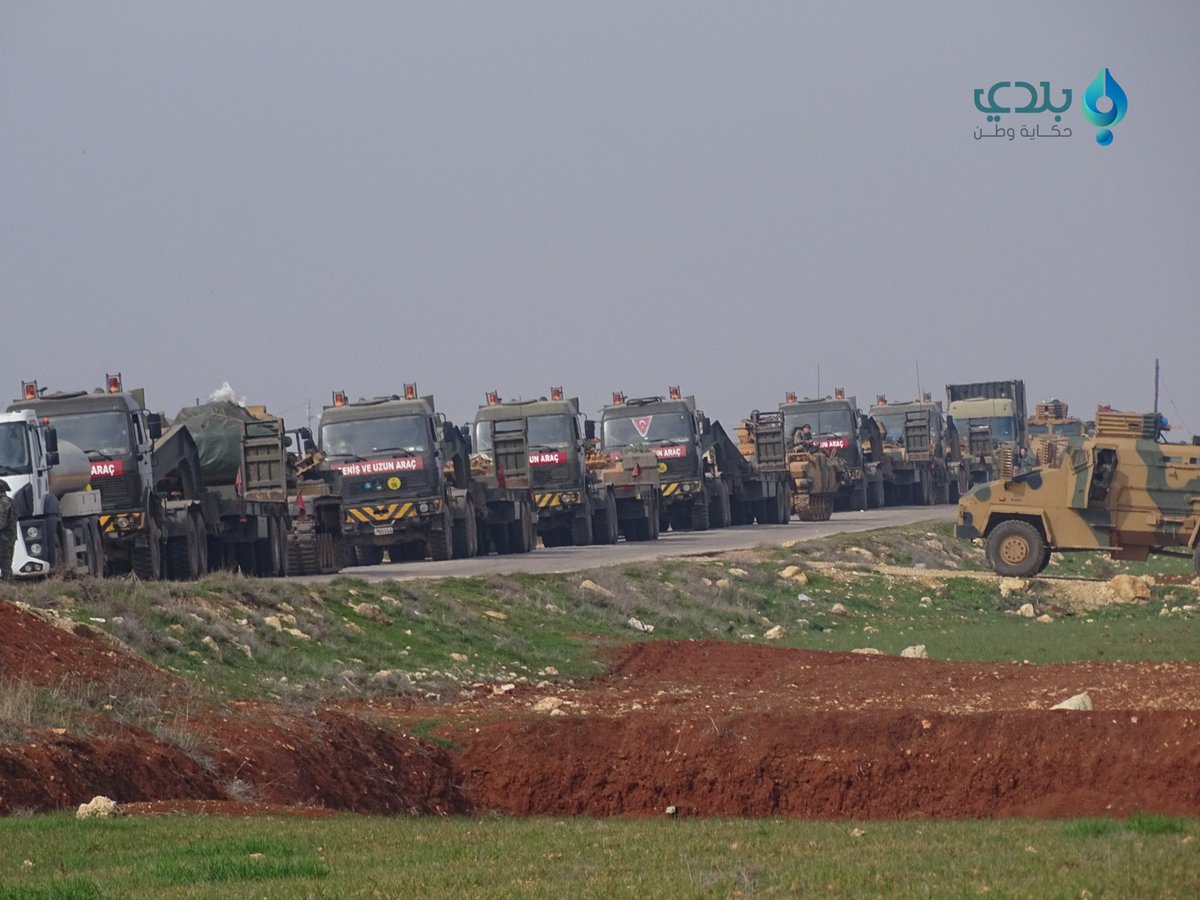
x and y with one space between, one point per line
583 534
858 496
95 549
604 522
784 503
718 509
183 553
1016 549
146 557
367 555
521 534
700 517
441 543
466 540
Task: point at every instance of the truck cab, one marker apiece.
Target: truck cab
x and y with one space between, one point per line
678 435
116 432
1121 491
836 426
388 451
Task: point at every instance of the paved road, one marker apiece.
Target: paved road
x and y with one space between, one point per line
685 543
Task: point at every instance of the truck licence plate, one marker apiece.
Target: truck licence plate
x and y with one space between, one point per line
385 529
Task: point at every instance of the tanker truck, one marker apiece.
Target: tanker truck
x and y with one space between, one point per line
58 513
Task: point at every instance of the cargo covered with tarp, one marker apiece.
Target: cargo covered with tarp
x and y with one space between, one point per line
218 428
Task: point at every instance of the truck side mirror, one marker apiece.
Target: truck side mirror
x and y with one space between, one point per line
154 425
51 438
589 429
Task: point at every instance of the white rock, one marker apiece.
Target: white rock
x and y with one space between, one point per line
738 573
722 583
547 704
839 609
588 585
776 633
1010 586
498 689
273 622
297 633
460 657
211 644
1044 618
870 629
1079 701
1027 611
916 651
867 651
549 670
639 625
1130 588
100 807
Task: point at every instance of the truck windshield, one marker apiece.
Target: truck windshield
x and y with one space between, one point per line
1001 427
659 428
821 421
892 424
376 437
96 434
554 431
14 449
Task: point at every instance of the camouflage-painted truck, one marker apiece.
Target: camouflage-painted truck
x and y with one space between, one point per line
811 472
1120 491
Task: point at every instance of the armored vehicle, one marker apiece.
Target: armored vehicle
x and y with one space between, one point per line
812 475
1121 491
1051 428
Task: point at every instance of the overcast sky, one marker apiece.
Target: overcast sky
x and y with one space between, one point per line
302 197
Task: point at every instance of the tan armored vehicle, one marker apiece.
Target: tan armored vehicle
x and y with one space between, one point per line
1120 491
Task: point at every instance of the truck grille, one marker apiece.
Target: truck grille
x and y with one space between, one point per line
119 492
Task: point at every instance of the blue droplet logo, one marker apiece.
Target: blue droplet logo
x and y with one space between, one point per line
1117 104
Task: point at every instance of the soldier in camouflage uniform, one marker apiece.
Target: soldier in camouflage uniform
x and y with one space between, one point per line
8 532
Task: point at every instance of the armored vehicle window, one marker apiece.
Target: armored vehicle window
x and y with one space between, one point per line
653 429
1038 428
825 421
554 431
14 449
99 433
372 437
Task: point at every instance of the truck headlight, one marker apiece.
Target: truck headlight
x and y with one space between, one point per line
35 549
123 522
423 507
32 533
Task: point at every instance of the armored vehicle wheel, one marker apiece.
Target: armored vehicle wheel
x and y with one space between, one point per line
367 555
604 521
302 558
700 517
1017 549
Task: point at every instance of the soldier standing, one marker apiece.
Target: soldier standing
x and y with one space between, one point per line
8 532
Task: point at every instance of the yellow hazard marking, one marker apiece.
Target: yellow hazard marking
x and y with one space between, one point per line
669 489
543 501
386 512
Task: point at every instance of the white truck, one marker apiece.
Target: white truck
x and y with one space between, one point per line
50 486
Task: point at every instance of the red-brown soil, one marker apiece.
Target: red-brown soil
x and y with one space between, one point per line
710 728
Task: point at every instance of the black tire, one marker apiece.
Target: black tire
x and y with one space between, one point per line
270 552
466 535
784 504
1017 549
246 558
522 533
605 527
719 512
367 555
145 558
96 565
583 534
441 543
858 496
700 517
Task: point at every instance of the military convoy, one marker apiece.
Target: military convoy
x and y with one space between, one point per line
211 492
1121 491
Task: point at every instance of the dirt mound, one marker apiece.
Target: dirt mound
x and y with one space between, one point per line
34 650
710 728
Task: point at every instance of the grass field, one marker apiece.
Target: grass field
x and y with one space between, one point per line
368 857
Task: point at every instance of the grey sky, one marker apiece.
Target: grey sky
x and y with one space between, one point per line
302 197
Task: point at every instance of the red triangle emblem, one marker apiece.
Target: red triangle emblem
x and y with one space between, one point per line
642 424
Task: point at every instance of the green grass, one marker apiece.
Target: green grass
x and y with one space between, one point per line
351 856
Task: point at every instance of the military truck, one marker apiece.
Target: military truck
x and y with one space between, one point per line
705 480
1120 491
575 506
58 529
838 425
811 472
1050 430
991 418
923 470
408 485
